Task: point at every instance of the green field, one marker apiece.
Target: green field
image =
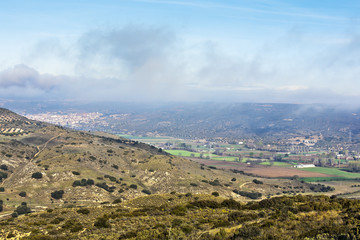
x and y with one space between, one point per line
332 171
277 164
225 158
184 153
324 179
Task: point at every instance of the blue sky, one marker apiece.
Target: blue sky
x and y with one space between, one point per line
171 50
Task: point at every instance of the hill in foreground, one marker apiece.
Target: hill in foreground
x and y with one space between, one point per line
92 168
185 216
81 185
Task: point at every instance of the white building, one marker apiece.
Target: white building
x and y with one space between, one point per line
304 165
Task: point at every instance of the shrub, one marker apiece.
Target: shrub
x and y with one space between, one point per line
102 222
252 195
231 203
57 220
105 187
113 179
83 211
3 167
76 183
118 200
216 194
2 189
57 194
3 175
233 179
83 182
22 209
134 186
75 173
22 194
215 183
257 181
204 204
115 166
178 211
247 232
37 175
90 182
146 191
73 225
193 184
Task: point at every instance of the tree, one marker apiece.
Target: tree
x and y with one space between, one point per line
57 194
37 175
22 194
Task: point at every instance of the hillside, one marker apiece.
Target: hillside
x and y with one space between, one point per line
179 216
47 165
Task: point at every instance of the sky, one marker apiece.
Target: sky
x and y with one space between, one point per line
299 51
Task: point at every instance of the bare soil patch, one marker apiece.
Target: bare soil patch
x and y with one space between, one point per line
260 170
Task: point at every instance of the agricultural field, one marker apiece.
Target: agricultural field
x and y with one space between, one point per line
250 161
337 174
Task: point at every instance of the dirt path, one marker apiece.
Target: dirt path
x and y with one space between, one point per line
45 145
20 168
244 184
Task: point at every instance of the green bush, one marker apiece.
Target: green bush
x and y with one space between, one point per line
216 194
205 204
3 175
134 186
146 191
57 220
73 225
231 204
102 222
2 189
22 209
22 194
83 211
215 183
257 181
252 195
83 182
178 211
105 187
3 167
37 175
57 194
